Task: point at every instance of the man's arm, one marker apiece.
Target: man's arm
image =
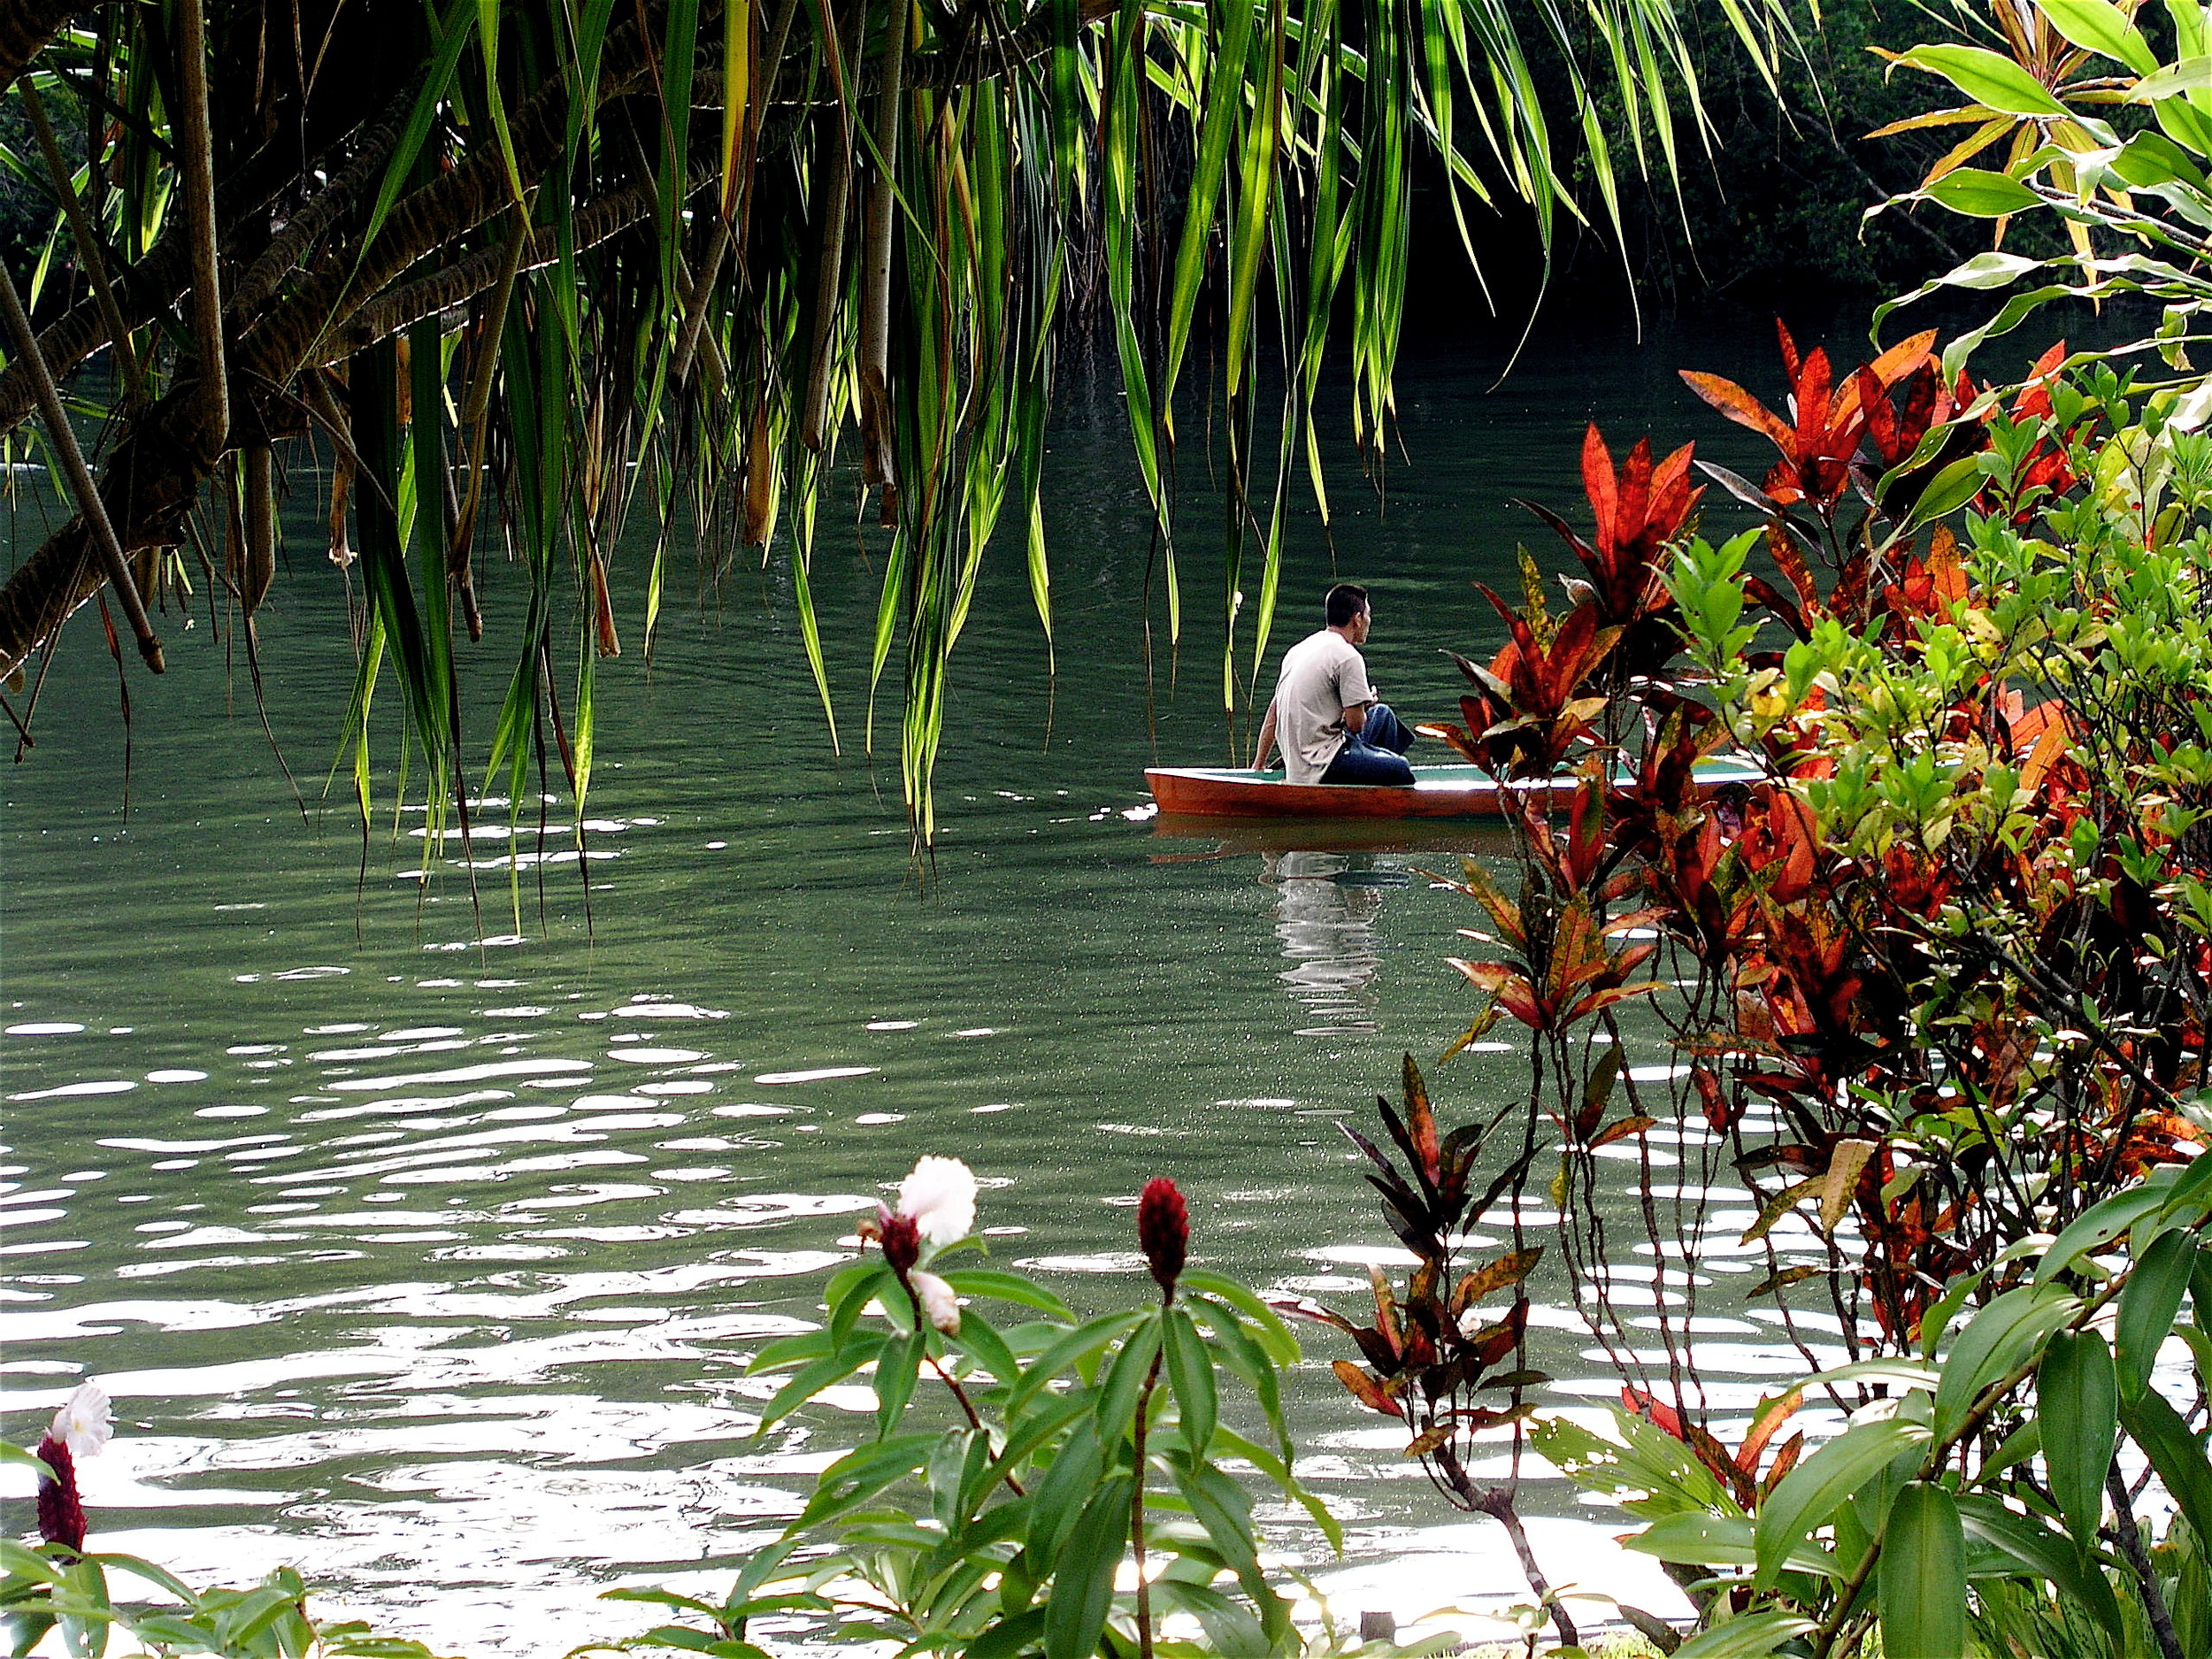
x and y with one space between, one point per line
1267 738
1356 693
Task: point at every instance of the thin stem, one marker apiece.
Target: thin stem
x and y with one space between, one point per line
1497 1503
974 1421
2131 1544
88 253
1136 1512
90 505
967 1406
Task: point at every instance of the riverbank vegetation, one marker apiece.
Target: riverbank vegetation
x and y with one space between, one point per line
1935 992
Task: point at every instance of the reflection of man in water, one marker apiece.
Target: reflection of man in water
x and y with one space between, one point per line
1333 727
1326 926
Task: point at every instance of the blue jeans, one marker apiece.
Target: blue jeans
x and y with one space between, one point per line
1376 753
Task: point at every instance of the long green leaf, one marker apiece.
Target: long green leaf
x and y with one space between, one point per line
1190 1370
2078 1398
1810 1492
1994 1342
1923 1590
2149 1304
1083 1579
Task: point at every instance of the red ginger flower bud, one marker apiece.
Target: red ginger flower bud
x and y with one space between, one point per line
60 1512
1164 1230
901 1237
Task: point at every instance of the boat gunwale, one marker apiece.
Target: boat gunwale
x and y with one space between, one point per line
1242 791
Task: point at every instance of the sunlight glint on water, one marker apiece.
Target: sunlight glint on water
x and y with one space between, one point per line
422 1237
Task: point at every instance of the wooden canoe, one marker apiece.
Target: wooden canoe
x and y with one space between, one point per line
1435 792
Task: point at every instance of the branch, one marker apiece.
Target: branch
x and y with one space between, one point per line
1032 37
196 182
283 252
151 481
88 254
442 290
429 218
88 493
149 289
155 461
144 290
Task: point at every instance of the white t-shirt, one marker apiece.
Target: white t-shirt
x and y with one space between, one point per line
1322 676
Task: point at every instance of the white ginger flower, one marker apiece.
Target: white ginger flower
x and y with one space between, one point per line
939 1198
84 1422
940 1305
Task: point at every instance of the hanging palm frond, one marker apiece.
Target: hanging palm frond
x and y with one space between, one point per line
508 267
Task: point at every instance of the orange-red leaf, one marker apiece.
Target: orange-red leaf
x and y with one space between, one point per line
1365 1389
1740 406
1510 1268
1429 1440
1620 1131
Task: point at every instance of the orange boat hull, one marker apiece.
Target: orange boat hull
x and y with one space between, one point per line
1437 792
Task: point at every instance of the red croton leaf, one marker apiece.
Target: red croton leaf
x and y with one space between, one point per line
1365 1389
1494 1342
1740 406
1514 993
1509 1268
1718 1112
1765 1426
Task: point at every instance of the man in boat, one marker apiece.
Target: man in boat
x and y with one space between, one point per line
1332 727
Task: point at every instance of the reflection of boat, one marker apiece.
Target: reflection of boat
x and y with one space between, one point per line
1236 837
1325 915
1436 792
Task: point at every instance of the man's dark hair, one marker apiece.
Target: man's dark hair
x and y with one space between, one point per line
1346 601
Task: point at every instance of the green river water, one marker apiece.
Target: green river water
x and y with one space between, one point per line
428 1255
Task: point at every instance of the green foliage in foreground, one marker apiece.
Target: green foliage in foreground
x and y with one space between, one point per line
1054 1487
1001 1512
1978 1508
47 1589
